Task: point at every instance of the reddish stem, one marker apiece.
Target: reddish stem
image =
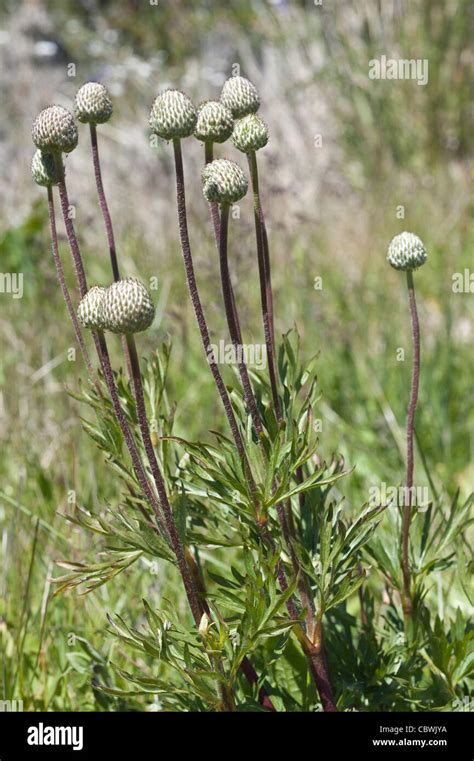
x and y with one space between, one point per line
266 296
231 320
407 510
103 202
216 223
108 226
65 291
196 301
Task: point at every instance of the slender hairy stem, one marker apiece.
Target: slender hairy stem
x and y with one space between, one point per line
65 289
265 282
214 207
407 510
108 225
126 432
190 588
196 301
268 278
70 232
103 202
231 320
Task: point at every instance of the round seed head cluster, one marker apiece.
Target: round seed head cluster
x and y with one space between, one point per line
54 130
406 252
90 311
172 115
127 307
214 122
43 169
240 97
93 104
250 134
223 181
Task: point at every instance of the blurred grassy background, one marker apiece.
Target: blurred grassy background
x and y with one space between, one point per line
331 211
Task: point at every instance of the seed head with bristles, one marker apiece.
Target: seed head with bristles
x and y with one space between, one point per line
406 252
93 104
172 115
90 311
54 130
214 122
127 307
43 169
223 181
250 134
240 97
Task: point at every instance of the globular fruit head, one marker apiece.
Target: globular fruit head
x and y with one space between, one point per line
223 181
90 311
406 252
250 134
93 104
172 115
127 307
240 97
44 170
54 130
214 122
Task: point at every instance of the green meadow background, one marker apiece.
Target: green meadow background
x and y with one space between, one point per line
350 163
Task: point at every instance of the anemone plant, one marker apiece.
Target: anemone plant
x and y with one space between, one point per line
407 253
271 561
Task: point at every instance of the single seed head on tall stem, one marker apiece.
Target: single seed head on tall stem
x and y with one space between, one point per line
214 122
250 134
93 104
172 115
223 182
240 97
127 307
54 130
406 252
44 169
90 311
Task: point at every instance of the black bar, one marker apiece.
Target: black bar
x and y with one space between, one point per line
163 735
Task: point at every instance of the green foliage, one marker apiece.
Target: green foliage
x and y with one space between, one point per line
379 665
344 558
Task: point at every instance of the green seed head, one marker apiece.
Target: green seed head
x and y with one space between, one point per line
172 115
240 97
90 311
406 252
250 134
93 104
223 181
43 169
54 130
214 122
128 307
